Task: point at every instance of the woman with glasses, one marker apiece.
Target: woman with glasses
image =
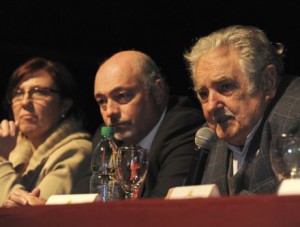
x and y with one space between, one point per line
44 149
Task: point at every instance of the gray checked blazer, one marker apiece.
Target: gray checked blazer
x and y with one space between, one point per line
256 176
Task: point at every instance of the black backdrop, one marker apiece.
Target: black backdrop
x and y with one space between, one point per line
81 34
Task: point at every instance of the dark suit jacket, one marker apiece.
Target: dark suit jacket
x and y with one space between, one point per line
256 176
173 147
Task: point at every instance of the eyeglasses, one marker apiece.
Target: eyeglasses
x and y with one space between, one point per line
35 93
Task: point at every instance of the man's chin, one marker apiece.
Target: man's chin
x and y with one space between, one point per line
226 133
230 137
125 135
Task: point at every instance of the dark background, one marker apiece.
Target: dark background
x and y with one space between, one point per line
81 34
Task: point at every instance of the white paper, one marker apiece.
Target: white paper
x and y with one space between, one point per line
195 191
71 199
289 187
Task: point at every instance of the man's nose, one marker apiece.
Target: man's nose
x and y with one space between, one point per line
112 108
214 102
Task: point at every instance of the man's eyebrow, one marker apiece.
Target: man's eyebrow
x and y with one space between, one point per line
222 79
216 80
99 95
115 90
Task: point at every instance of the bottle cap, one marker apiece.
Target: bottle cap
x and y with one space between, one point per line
107 131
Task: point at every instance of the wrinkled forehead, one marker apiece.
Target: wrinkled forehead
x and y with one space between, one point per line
216 65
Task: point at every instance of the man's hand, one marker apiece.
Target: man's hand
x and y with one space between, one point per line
23 198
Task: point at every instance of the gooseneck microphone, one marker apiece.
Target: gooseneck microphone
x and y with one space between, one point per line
204 140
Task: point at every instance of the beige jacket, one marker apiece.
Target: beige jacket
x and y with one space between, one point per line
61 165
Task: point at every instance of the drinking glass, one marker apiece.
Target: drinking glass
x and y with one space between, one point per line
132 166
285 156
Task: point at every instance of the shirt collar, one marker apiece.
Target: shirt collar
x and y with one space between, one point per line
240 154
146 142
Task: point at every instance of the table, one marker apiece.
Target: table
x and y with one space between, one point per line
254 211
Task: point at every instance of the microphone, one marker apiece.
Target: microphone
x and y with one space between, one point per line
204 140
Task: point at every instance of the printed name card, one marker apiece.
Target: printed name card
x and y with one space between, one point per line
195 191
289 187
71 199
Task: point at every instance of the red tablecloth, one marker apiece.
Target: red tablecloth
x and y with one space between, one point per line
254 211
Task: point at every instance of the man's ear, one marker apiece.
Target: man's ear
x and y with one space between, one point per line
269 80
159 91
